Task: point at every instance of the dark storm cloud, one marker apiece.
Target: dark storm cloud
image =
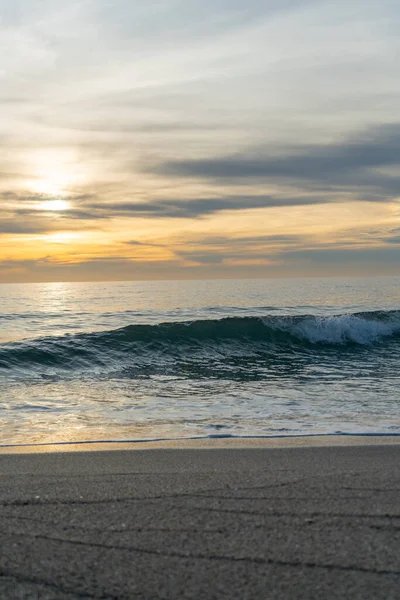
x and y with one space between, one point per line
347 163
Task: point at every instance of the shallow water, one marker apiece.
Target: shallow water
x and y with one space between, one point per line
138 360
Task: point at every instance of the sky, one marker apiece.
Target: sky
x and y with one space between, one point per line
198 139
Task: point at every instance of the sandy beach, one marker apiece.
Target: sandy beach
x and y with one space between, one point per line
312 519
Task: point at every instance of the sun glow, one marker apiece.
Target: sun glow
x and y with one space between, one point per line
57 204
54 181
63 237
56 174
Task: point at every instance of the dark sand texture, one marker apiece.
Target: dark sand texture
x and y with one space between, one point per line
285 523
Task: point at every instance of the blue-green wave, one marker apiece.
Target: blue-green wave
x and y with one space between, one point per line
204 342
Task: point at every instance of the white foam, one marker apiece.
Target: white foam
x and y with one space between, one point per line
344 328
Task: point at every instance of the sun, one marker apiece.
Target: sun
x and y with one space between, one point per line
56 205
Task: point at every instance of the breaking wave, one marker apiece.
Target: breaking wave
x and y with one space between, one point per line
203 342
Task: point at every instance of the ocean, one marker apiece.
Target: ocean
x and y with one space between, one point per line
183 359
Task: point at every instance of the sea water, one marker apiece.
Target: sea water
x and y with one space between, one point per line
178 359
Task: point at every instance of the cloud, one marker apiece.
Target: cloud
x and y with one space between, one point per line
137 243
350 162
218 250
226 256
10 226
368 258
28 198
197 207
247 240
21 214
205 258
302 262
190 110
390 237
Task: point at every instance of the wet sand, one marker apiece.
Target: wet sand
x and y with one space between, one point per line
306 521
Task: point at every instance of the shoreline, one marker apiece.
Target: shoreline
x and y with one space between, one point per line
209 443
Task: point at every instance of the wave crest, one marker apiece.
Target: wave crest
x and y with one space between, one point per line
362 328
203 339
358 328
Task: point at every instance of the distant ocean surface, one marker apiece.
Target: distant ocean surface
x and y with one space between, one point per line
180 359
